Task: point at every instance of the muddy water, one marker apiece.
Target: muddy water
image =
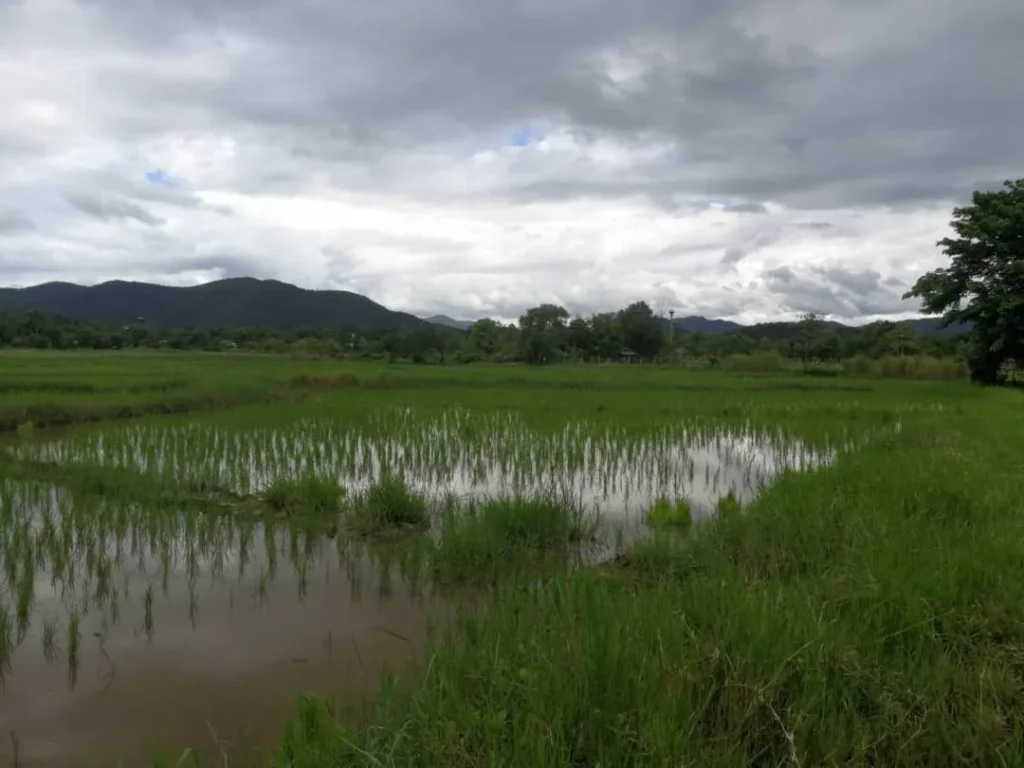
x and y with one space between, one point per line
216 662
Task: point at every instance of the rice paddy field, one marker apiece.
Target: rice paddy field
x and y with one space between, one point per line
224 560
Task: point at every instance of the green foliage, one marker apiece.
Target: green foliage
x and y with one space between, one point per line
479 541
729 505
984 283
543 334
846 619
388 504
665 513
310 493
759 362
642 330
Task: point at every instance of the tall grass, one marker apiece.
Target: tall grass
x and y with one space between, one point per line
482 540
869 614
389 504
918 367
312 493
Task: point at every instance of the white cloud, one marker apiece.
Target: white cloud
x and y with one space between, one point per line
743 161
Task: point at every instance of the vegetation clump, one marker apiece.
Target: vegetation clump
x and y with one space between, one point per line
665 513
728 505
389 504
479 540
311 493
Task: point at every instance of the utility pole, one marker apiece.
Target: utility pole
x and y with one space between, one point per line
671 325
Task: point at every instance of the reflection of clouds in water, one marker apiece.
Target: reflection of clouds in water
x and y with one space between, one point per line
461 453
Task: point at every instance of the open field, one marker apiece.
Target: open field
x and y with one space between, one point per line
499 565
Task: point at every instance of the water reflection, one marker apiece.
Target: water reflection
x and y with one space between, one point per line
127 626
131 628
459 453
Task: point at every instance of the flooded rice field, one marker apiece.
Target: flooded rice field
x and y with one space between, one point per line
128 628
459 453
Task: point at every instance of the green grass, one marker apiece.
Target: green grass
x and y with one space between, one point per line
728 505
869 614
866 613
482 540
665 513
388 505
311 493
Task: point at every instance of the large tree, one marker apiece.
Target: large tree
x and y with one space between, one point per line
543 333
984 283
642 330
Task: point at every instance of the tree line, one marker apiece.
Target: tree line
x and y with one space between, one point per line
544 334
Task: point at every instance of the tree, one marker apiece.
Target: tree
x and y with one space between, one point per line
485 335
642 330
984 284
542 333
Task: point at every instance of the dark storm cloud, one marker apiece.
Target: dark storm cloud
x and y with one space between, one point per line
794 113
108 208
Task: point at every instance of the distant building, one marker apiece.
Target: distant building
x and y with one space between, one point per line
627 355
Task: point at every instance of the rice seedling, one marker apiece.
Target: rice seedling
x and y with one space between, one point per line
74 639
6 642
389 504
50 640
312 493
665 513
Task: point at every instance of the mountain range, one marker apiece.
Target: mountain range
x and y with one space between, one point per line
249 302
235 302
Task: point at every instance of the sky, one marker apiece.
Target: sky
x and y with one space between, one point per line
744 159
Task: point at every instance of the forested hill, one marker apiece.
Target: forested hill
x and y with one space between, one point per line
250 303
782 330
232 303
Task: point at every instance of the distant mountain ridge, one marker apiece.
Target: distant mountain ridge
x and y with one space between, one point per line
250 302
697 324
234 302
450 322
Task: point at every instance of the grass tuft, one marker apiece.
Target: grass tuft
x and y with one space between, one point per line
729 505
479 540
389 504
312 493
665 513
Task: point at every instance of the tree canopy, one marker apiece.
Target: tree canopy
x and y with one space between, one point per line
984 283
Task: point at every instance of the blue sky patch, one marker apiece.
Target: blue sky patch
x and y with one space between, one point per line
159 176
525 135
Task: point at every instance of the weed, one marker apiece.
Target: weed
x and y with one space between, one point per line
478 540
389 504
665 513
310 493
729 505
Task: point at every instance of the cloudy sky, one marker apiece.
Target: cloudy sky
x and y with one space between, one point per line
749 159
